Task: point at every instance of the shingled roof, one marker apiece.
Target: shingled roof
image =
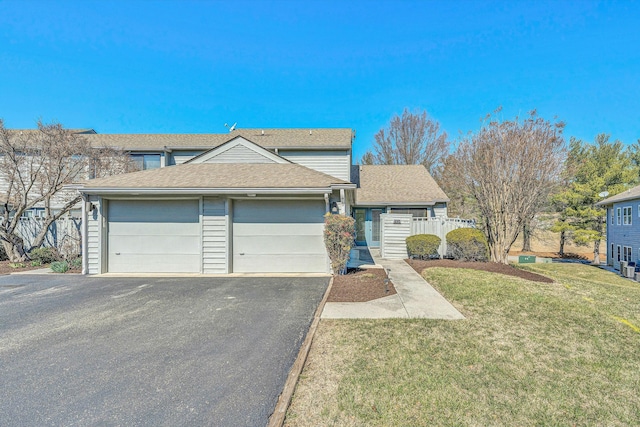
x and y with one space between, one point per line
268 138
390 184
218 175
630 194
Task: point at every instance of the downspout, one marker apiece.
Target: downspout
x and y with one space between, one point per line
85 238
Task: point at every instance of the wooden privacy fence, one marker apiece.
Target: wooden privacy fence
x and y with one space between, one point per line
395 228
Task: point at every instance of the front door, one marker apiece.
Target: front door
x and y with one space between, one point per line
374 240
367 226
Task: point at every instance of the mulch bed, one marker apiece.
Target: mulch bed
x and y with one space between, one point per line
492 267
6 269
360 286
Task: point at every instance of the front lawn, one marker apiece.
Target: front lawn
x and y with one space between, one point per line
529 353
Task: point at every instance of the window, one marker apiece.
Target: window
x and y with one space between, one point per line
627 254
626 215
618 216
612 215
611 250
417 213
618 253
146 161
33 213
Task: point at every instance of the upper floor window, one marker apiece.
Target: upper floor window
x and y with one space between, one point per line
626 215
146 161
619 216
613 216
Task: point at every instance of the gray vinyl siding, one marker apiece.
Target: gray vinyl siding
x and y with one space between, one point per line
394 230
239 154
179 157
94 220
334 163
440 210
623 235
214 237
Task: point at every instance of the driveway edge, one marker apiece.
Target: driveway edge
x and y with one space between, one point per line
279 413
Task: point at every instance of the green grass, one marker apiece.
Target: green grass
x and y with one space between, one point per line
566 353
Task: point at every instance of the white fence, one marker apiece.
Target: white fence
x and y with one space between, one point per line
395 228
63 234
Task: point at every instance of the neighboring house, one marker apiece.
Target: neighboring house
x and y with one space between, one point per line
251 201
623 227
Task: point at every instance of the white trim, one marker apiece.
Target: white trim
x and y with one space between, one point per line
85 237
627 218
206 191
416 204
201 220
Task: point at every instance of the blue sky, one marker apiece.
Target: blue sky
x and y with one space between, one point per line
190 66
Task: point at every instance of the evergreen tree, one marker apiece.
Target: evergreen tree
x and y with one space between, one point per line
592 169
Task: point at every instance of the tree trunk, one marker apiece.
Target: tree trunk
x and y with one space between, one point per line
563 239
526 238
14 247
596 243
498 253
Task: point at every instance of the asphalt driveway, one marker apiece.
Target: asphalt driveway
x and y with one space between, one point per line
149 351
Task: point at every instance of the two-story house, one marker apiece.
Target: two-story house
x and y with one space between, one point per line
623 227
252 200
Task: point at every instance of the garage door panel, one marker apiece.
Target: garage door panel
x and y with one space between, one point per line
272 212
146 244
154 236
163 211
151 228
282 245
154 264
269 229
279 264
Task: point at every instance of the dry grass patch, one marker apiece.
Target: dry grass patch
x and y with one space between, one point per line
527 354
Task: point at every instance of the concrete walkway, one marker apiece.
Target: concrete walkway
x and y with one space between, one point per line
415 298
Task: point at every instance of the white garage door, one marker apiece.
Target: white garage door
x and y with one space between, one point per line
154 236
278 236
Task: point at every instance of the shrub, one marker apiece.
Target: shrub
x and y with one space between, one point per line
17 265
60 266
467 244
423 245
339 235
45 255
3 254
36 263
76 264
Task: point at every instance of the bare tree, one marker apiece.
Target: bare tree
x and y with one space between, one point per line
34 167
411 139
461 204
510 167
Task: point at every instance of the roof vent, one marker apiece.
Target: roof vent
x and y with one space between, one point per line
310 131
263 132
